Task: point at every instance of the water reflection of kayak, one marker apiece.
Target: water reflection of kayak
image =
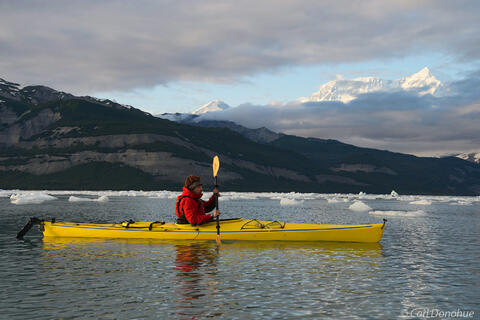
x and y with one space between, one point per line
233 229
72 246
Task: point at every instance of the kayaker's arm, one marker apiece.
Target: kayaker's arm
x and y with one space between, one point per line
210 204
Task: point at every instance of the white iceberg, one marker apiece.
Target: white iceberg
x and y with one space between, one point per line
102 199
461 203
7 193
290 202
333 200
78 199
30 197
393 194
423 202
165 194
359 206
238 195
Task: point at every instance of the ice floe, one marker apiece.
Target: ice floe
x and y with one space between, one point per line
30 198
290 202
333 200
359 206
238 195
164 195
8 193
423 202
243 196
461 203
78 199
397 213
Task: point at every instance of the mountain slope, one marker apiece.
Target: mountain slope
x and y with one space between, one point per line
66 142
472 157
384 169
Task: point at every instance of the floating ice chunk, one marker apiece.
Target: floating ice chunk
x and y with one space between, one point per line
164 194
78 199
461 203
290 202
102 199
7 193
30 198
239 196
393 194
361 194
359 206
424 202
333 200
398 213
130 193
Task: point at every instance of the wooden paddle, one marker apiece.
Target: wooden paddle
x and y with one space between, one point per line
216 166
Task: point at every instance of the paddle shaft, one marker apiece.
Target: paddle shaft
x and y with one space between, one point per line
216 207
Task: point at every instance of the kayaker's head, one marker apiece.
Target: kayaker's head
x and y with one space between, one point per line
194 184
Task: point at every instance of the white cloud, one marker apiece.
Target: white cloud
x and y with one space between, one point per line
400 121
93 46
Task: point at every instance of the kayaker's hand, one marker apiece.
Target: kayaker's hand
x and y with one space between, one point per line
216 213
216 192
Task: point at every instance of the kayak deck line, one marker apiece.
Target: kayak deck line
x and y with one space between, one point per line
232 229
198 231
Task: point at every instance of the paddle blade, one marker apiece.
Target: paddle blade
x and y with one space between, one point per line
218 239
216 165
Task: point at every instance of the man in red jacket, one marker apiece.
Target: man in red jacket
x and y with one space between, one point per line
190 208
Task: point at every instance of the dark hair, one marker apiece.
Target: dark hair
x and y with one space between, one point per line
193 181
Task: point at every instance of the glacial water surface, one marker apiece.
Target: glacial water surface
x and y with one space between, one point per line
428 259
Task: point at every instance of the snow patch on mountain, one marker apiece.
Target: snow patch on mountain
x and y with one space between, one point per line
9 89
346 90
472 156
212 106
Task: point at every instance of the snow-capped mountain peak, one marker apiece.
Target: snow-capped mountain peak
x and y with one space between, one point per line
472 157
345 90
423 81
212 106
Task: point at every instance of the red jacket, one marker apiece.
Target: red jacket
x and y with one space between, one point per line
193 207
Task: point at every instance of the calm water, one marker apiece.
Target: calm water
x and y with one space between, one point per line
425 260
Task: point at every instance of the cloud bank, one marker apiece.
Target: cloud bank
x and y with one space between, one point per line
92 46
401 121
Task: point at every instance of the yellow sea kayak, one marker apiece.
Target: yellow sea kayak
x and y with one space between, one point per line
232 229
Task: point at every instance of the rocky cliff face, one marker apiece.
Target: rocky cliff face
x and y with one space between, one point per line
16 131
39 136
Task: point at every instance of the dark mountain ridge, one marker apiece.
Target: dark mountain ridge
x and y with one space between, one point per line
54 140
